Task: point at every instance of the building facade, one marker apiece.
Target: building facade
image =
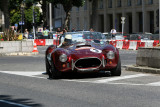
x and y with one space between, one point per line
140 16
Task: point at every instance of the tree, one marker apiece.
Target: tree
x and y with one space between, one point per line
44 4
16 14
4 6
67 5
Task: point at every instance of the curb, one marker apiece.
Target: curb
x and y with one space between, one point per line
19 54
143 69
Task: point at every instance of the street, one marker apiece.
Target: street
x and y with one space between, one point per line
22 84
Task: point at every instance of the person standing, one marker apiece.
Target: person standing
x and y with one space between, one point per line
91 30
113 32
26 33
73 29
45 33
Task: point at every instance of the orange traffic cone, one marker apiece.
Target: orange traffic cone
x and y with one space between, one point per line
35 48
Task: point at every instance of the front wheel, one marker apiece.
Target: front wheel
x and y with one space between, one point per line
47 66
54 73
117 70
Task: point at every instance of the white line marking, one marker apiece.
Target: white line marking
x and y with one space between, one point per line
36 73
119 78
12 103
154 84
24 73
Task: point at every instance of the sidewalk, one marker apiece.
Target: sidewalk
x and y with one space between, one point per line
142 69
19 54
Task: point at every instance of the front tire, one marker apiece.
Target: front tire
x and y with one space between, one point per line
54 73
47 66
117 70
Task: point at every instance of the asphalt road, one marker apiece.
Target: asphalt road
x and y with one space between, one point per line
22 84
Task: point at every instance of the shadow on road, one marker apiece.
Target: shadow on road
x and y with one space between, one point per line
69 75
10 99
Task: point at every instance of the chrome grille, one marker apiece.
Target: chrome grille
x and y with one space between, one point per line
87 63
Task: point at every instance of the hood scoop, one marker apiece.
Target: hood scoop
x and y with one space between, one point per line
79 46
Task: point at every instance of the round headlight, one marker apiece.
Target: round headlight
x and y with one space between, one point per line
110 55
63 58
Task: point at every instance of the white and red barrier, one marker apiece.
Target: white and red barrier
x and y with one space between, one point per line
133 44
120 44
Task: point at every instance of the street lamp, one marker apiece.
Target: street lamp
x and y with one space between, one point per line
122 18
22 16
34 30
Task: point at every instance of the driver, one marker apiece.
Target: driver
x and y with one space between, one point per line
67 40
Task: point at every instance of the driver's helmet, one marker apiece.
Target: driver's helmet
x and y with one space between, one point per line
67 39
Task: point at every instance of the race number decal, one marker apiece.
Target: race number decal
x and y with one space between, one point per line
95 50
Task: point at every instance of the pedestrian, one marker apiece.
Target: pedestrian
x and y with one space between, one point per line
26 33
64 31
45 33
73 29
91 30
59 31
113 32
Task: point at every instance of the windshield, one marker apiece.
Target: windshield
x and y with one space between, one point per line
81 37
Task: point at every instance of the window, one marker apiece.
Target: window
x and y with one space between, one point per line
110 4
77 9
118 3
150 1
101 4
129 2
139 2
85 5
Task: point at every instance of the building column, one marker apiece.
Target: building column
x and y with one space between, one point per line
134 22
105 15
155 20
114 14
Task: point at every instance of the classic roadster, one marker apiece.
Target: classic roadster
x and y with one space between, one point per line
84 56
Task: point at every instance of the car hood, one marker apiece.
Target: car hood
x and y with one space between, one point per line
82 50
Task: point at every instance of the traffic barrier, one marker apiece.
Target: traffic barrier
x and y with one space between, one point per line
149 43
48 42
114 43
121 44
133 45
125 44
40 42
155 43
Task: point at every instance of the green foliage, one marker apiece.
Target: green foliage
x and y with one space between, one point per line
15 16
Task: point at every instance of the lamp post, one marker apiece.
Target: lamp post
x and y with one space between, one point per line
33 15
34 31
122 18
22 16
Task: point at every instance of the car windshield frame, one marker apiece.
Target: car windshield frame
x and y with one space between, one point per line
79 37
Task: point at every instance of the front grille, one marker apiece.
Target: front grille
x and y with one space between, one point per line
85 63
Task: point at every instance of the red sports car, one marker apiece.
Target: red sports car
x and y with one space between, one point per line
78 55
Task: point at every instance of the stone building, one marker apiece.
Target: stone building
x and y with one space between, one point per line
140 16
